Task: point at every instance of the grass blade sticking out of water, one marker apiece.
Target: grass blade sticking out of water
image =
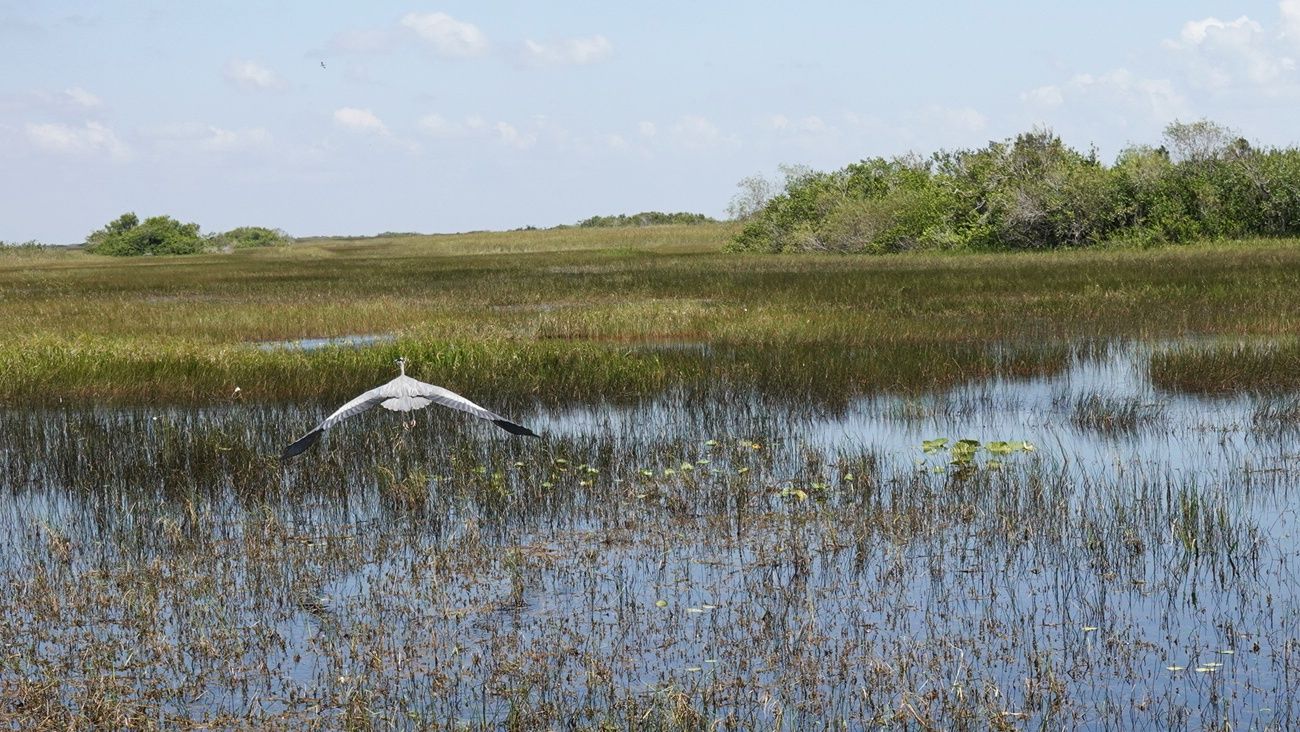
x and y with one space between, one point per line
1114 415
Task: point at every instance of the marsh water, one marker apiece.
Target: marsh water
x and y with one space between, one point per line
1109 555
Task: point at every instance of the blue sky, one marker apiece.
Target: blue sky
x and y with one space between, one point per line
456 116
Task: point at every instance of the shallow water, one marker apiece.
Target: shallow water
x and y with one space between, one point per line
739 558
313 344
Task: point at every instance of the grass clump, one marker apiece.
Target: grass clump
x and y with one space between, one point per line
1264 367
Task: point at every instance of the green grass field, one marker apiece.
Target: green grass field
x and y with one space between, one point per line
592 314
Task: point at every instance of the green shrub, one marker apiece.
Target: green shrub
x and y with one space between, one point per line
248 237
1035 192
127 236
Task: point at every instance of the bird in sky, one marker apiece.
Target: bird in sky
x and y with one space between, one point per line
402 394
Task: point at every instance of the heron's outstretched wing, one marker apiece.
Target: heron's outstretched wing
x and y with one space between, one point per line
448 398
356 406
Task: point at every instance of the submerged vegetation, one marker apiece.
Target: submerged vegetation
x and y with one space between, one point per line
1031 192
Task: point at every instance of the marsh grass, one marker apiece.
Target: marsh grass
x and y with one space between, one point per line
590 580
563 312
1112 414
687 548
1271 367
1275 412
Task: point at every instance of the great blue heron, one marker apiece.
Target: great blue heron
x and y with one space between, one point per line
402 394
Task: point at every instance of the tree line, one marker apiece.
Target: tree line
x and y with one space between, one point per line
646 218
1030 192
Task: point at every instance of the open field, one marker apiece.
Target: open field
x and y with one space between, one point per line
751 506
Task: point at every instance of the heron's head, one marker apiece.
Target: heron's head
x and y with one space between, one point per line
401 364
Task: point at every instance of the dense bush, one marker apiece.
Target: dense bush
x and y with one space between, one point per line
645 218
1032 192
247 237
128 236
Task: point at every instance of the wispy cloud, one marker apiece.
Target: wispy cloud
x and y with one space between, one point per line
510 136
360 120
252 75
218 139
190 136
568 51
368 40
1125 97
90 139
807 125
81 98
506 133
695 132
447 36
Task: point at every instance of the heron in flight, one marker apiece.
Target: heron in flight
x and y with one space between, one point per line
402 394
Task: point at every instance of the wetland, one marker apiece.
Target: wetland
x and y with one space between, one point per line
1049 490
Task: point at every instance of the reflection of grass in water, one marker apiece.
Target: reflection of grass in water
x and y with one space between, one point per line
1276 411
1110 414
521 583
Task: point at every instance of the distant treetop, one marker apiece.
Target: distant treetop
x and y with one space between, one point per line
645 218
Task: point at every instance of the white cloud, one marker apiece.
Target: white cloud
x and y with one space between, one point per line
449 37
1119 94
569 51
699 133
252 75
809 125
960 119
360 120
222 140
1221 54
647 129
475 126
438 126
1047 97
512 137
81 98
190 136
1290 10
91 138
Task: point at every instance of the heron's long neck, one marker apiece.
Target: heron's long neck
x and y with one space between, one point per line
402 365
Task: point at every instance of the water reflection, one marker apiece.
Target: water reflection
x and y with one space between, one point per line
736 556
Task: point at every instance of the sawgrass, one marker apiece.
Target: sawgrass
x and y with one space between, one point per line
608 313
